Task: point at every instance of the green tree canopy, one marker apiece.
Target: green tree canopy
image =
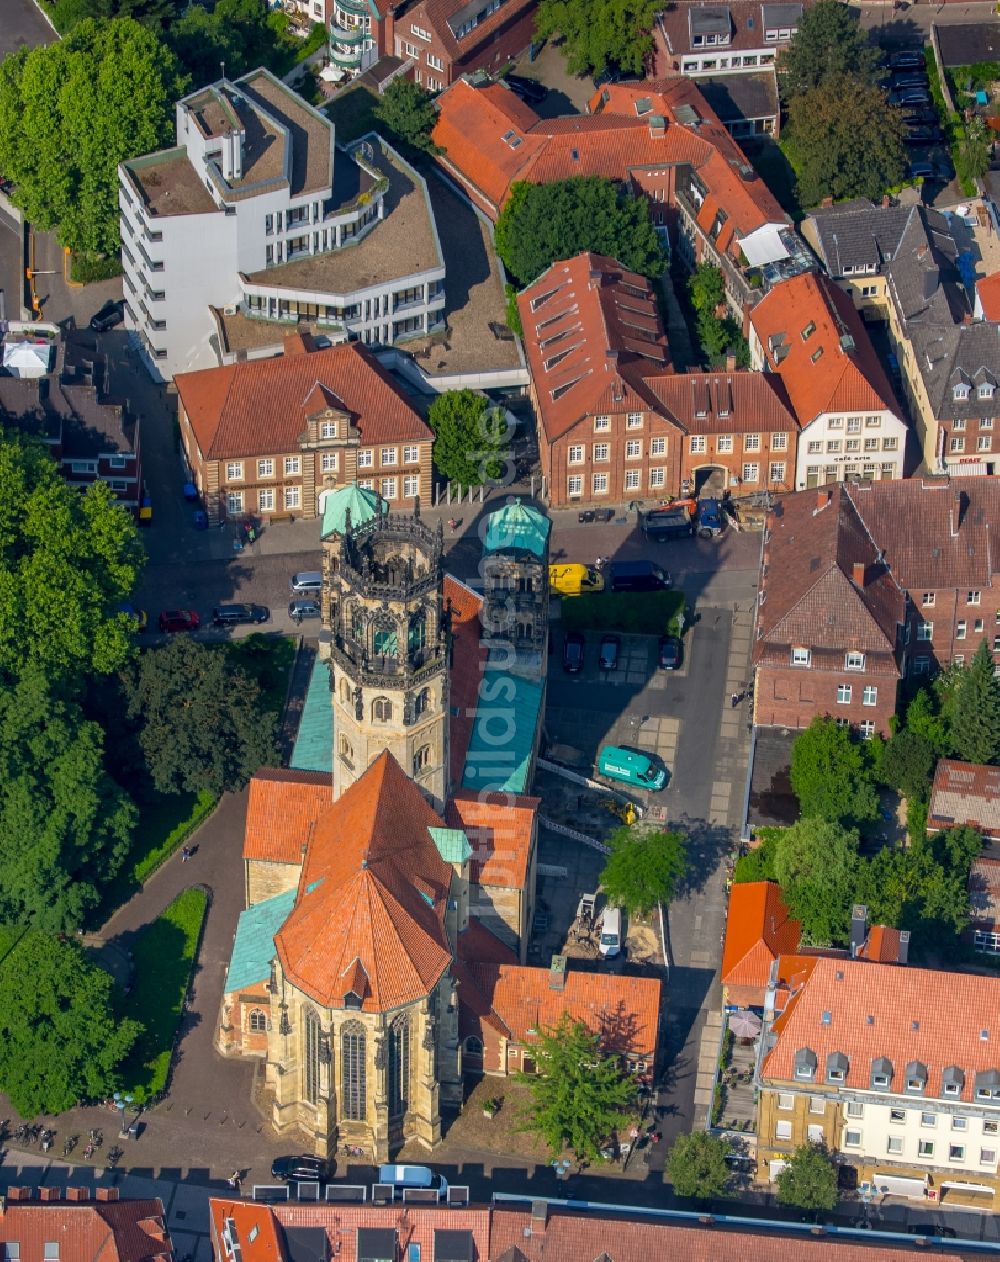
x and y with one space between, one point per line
697 1165
407 109
66 561
580 1094
828 45
974 151
925 718
975 709
830 774
64 823
71 111
643 868
202 721
61 1039
470 436
816 863
809 1181
844 140
908 764
707 287
600 33
543 223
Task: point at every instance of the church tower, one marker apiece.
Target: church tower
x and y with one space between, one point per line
515 571
388 648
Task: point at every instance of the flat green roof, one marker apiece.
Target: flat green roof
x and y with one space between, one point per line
314 741
503 733
253 947
453 845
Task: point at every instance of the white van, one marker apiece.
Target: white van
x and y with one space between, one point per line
611 932
308 583
413 1177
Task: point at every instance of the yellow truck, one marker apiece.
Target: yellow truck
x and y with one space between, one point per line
574 580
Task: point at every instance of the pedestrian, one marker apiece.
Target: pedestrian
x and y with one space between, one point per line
734 700
235 1179
185 854
452 524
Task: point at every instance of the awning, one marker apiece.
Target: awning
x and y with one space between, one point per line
897 1185
764 245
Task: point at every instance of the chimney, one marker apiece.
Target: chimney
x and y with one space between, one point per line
967 318
539 1216
19 1194
730 362
826 203
557 973
107 1194
858 573
904 947
823 497
49 1193
78 1194
859 928
886 201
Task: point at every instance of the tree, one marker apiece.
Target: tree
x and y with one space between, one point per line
236 32
707 288
697 1165
580 1095
973 159
202 721
71 111
908 764
61 1039
545 222
407 109
600 33
643 869
67 560
925 718
844 140
828 44
830 774
975 711
469 437
809 1181
816 863
64 823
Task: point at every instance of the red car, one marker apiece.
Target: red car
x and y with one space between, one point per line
179 620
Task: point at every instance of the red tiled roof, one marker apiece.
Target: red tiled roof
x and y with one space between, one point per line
586 321
758 930
500 828
819 370
810 598
902 1014
261 407
965 793
988 290
624 1010
724 403
373 892
490 146
282 808
87 1231
487 29
468 662
881 945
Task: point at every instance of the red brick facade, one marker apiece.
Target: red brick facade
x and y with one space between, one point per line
792 696
432 35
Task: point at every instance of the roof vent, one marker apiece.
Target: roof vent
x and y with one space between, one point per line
840 975
914 1025
847 344
984 1035
826 1017
869 1020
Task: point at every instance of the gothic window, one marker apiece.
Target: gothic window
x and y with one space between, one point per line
258 1021
385 638
346 749
421 759
418 632
473 1046
421 702
346 695
399 1066
381 710
358 625
311 1035
525 583
353 1071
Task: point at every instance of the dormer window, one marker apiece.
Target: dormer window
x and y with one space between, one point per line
837 1066
801 657
854 661
881 1073
985 390
952 1081
916 1076
805 1064
352 1000
961 391
988 1085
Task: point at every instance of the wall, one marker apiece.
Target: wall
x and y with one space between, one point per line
815 468
951 607
558 467
265 879
792 696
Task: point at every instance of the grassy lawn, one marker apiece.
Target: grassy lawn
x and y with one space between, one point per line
353 114
637 613
164 955
267 659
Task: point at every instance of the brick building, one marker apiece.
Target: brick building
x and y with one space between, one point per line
615 423
273 437
74 1224
965 793
808 333
444 39
865 583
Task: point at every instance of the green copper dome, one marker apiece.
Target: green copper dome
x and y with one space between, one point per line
362 504
517 528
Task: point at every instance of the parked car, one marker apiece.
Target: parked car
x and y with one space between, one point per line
239 615
908 79
110 315
921 171
608 655
307 583
299 610
573 653
907 58
303 1169
922 135
529 90
919 114
179 620
671 652
711 520
910 96
139 616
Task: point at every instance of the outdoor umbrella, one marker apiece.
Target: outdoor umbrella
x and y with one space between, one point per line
744 1024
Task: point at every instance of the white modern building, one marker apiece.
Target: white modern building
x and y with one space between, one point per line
257 219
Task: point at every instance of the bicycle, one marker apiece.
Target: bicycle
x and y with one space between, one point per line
69 1144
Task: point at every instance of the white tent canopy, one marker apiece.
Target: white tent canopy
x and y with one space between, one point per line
27 359
764 245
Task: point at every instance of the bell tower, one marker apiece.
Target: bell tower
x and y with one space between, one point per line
388 648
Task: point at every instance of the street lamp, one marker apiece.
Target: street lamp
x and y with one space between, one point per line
122 1102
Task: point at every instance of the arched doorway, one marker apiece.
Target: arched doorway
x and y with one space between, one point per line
710 483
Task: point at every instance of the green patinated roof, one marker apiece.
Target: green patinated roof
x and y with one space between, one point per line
362 503
314 742
503 733
517 527
453 845
253 948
